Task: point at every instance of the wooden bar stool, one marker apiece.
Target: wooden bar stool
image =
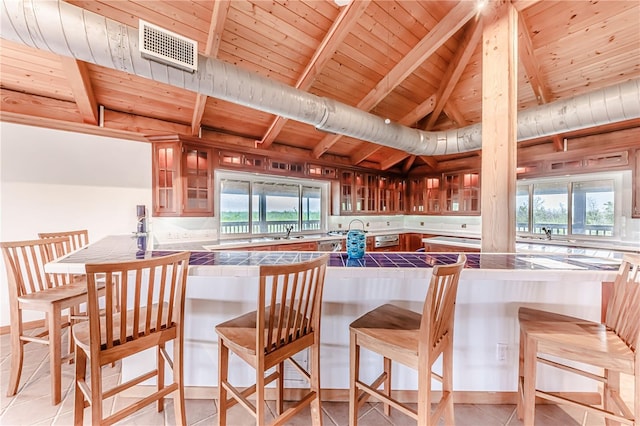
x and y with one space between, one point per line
152 299
76 240
286 321
414 340
557 340
31 288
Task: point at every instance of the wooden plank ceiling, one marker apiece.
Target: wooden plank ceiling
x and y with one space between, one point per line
415 62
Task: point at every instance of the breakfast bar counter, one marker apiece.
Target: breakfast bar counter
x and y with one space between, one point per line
492 287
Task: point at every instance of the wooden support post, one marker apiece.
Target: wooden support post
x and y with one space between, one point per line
499 132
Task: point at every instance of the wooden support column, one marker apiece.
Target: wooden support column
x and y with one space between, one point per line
499 132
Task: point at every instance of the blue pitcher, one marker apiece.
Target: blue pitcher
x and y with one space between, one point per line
356 241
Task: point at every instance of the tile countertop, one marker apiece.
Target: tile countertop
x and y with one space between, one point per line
525 245
126 247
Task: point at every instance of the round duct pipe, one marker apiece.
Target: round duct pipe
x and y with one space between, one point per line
68 30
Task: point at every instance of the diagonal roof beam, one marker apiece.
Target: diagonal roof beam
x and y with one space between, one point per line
521 5
442 32
78 76
341 27
463 54
536 78
365 149
216 26
407 164
431 162
530 64
393 159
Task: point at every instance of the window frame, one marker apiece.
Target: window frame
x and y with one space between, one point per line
570 180
257 178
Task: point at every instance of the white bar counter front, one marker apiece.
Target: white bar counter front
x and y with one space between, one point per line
492 287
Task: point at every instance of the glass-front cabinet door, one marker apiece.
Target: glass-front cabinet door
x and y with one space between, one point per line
198 180
166 174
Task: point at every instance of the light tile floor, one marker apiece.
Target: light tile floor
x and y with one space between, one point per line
32 405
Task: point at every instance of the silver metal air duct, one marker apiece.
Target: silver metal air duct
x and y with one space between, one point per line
68 30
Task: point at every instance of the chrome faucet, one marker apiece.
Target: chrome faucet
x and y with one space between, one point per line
289 229
547 232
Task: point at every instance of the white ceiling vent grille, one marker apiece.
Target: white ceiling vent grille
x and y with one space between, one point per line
169 48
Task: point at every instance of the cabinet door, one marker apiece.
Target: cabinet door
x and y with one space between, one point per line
197 176
346 191
462 192
166 179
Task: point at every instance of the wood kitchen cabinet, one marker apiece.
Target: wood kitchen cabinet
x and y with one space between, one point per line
182 180
425 195
462 192
391 194
368 193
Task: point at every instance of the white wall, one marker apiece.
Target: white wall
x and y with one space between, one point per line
53 180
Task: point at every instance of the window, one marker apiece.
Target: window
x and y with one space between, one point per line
276 204
583 205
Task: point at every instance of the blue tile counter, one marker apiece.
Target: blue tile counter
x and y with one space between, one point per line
492 287
124 247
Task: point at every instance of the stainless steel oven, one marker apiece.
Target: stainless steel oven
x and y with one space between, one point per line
381 241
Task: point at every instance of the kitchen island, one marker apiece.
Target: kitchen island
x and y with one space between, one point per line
492 287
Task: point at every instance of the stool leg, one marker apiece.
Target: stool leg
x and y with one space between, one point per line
612 384
223 376
424 390
354 366
260 406
55 353
160 376
280 389
387 384
447 382
81 375
17 352
316 410
520 396
529 384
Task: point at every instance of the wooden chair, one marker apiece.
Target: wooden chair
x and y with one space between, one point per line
76 240
611 347
151 314
411 339
30 288
286 321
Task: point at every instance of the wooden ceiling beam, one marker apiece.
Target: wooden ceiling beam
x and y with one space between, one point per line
340 28
407 164
363 151
443 31
521 5
430 161
216 27
77 74
530 64
463 54
393 159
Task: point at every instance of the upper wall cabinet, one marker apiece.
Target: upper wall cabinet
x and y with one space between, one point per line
462 192
182 180
370 193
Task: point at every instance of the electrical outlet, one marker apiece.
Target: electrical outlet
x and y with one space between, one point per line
388 223
501 351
